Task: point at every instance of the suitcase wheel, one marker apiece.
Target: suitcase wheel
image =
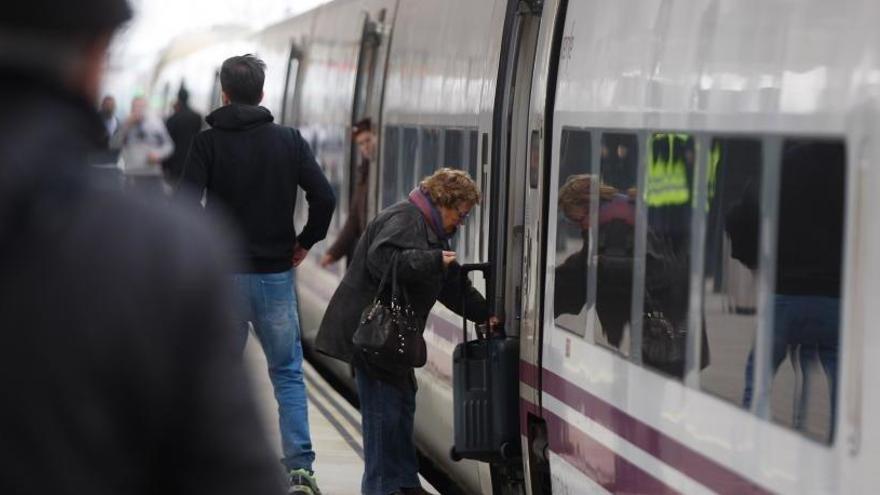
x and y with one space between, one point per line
454 455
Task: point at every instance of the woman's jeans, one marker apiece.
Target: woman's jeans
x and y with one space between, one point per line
269 302
387 413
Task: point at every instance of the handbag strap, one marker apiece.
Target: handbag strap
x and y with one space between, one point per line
390 270
399 294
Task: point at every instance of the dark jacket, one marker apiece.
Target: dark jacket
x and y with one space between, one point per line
251 169
182 127
400 228
812 203
118 360
356 221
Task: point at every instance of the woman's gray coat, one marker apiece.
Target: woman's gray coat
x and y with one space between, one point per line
399 228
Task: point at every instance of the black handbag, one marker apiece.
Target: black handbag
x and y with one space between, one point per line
664 344
389 334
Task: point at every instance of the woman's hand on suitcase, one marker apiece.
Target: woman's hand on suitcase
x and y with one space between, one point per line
448 258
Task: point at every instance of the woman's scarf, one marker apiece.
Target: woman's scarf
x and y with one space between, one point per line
422 200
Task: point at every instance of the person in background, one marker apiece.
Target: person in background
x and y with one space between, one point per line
108 116
182 126
417 231
365 139
256 167
144 143
117 364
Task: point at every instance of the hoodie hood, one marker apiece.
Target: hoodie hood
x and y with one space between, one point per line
237 117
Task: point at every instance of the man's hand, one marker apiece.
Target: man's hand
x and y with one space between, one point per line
448 258
299 254
153 158
327 260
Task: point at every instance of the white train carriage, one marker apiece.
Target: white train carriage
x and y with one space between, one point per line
678 213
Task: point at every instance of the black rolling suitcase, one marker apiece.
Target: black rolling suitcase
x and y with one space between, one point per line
485 377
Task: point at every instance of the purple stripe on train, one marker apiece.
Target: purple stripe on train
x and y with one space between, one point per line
684 459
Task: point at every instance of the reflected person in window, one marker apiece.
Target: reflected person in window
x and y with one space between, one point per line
808 262
614 288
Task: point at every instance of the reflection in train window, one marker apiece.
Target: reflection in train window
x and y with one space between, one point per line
570 305
407 163
390 173
806 300
618 169
668 187
730 281
429 151
453 149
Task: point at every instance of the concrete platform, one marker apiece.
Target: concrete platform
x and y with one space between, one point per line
335 426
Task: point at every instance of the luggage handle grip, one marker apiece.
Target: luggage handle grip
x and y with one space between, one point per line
466 269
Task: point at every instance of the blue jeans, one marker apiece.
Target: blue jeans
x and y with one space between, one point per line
269 302
802 324
387 412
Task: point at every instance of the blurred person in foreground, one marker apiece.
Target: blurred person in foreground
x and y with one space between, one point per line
118 363
417 231
145 144
255 168
182 126
365 139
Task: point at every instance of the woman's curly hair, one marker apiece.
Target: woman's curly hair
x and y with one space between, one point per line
575 193
450 187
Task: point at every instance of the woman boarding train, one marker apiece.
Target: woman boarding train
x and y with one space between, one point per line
415 235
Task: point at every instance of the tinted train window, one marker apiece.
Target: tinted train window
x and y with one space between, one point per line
570 296
453 149
472 156
618 169
290 91
429 152
806 300
408 162
730 280
390 174
668 187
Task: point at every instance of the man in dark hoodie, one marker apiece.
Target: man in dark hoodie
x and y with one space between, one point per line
117 367
255 168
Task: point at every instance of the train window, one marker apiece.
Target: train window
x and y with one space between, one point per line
730 281
667 196
806 299
389 166
429 151
472 155
615 238
408 161
570 304
453 149
289 106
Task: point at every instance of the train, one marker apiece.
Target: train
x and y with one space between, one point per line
677 212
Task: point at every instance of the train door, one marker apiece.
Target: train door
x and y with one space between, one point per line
536 180
368 94
511 212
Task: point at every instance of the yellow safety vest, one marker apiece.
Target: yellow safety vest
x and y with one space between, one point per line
666 183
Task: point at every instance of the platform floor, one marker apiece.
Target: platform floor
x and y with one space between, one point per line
335 426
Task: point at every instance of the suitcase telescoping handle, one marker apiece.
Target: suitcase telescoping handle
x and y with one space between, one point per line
465 270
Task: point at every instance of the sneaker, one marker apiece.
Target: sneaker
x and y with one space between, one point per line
414 490
302 482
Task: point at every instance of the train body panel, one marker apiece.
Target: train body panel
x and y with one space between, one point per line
683 110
